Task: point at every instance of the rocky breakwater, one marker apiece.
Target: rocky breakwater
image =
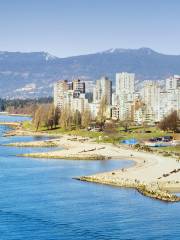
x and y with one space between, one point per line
60 155
151 190
45 143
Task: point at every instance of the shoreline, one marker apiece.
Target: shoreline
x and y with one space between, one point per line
15 114
144 189
44 143
152 174
18 131
13 125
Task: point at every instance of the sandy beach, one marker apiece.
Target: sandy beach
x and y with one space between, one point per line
152 174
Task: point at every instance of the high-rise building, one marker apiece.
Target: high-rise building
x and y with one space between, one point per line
89 86
151 98
125 94
173 83
163 105
81 104
78 85
70 95
172 95
103 89
114 99
60 88
173 98
125 83
150 105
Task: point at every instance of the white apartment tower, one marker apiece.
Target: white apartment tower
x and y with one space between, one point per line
125 83
173 83
125 94
173 94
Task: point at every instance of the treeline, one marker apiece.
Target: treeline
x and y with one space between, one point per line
45 115
22 106
49 117
171 122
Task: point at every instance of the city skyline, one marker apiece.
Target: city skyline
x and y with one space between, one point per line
149 104
68 28
89 119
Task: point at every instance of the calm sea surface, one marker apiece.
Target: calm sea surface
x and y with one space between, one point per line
39 200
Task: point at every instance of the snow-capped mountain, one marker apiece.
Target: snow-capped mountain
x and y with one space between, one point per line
41 69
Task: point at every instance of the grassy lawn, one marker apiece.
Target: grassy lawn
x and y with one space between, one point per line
173 149
27 125
140 133
137 132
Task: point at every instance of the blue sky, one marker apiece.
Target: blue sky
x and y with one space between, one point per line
72 27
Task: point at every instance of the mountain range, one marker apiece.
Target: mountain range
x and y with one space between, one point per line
30 75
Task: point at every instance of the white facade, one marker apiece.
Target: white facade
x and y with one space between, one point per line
94 109
173 83
157 102
173 98
103 88
68 99
125 83
80 104
65 95
151 98
125 94
163 105
114 99
115 112
139 116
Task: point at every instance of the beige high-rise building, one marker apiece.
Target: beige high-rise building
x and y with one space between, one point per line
151 98
60 88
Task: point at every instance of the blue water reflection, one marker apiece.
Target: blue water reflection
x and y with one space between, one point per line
39 200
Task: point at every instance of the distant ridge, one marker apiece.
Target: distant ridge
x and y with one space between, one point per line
33 74
128 50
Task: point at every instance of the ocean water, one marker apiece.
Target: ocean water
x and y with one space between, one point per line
39 200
